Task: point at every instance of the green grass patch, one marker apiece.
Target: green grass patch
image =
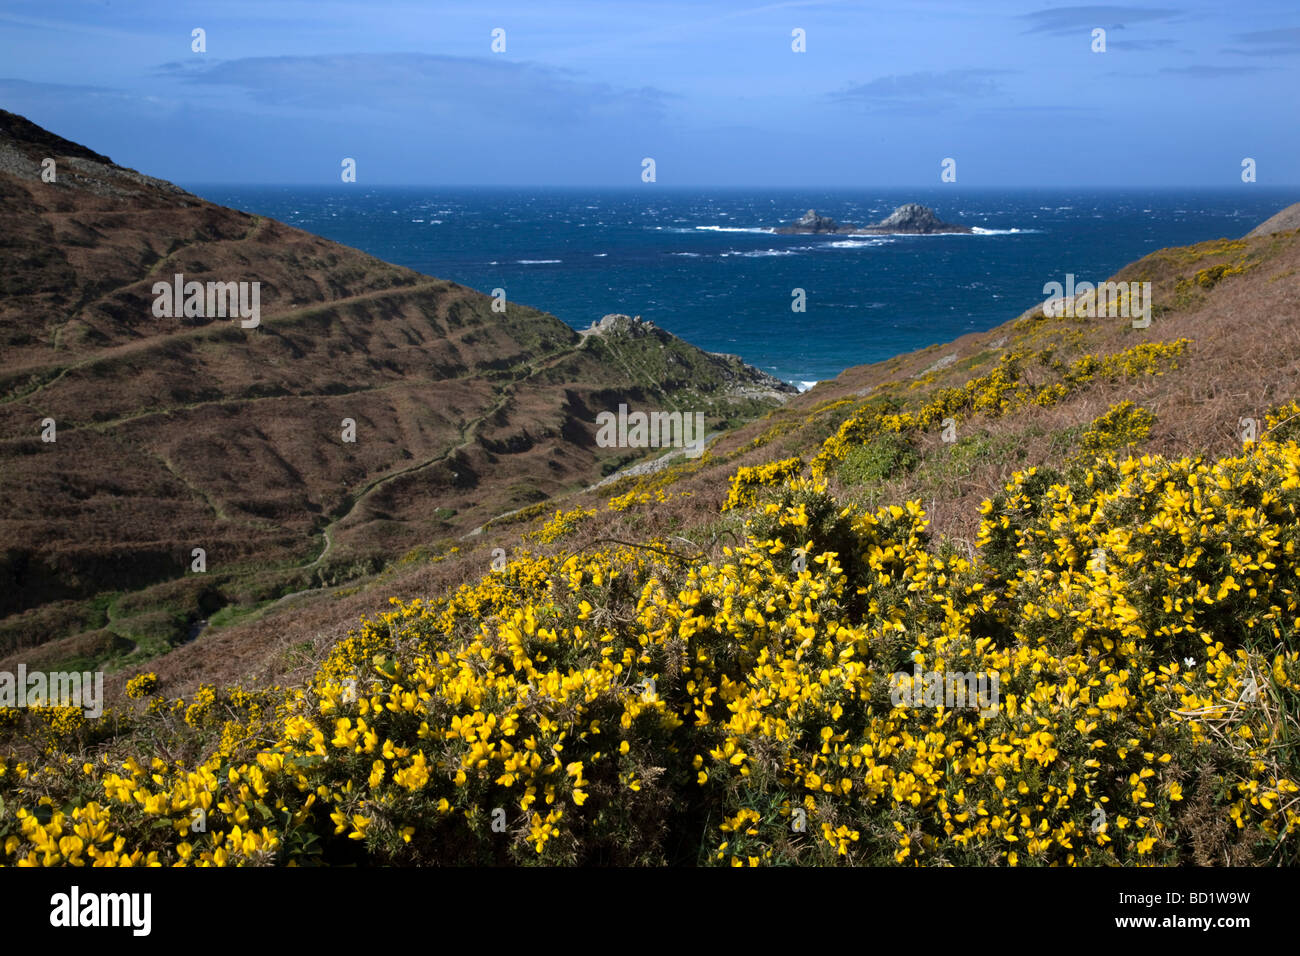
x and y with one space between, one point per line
884 457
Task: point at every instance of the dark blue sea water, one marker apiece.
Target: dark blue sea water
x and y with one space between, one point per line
699 264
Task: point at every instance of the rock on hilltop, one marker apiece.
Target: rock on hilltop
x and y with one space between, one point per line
681 361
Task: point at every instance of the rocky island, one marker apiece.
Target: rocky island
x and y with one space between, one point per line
910 219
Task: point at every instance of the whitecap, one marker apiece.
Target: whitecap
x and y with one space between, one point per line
537 262
759 229
855 243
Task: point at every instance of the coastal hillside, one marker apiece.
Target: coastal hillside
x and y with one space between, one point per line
1025 598
363 413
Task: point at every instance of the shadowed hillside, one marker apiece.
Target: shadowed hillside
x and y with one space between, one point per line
173 433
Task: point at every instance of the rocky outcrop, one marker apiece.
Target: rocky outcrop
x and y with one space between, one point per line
908 219
24 147
684 362
810 223
616 323
913 218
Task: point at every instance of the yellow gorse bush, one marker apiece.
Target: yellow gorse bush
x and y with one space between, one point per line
748 481
616 707
142 686
561 525
1123 424
636 497
1002 390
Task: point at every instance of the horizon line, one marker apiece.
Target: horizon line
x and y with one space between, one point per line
682 186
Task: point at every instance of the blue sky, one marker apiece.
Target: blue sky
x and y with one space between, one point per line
711 90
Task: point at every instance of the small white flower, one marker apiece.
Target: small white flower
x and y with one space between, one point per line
1189 661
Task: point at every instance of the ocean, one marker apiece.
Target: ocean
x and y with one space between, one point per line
701 264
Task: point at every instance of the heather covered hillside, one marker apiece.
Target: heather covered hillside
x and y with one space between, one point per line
366 412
